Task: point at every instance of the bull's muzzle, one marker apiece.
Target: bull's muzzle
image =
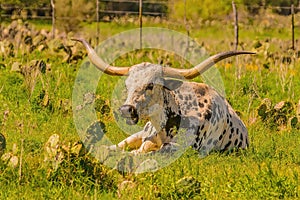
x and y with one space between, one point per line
130 113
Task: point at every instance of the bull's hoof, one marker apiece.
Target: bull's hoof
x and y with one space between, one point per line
113 147
169 147
136 152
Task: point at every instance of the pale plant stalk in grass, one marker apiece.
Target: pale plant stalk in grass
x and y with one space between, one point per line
187 27
1 89
96 188
20 126
282 75
30 81
57 82
21 159
285 79
5 117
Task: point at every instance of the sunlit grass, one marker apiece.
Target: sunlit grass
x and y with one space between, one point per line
269 168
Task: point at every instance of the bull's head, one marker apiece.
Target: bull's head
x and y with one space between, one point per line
146 82
144 87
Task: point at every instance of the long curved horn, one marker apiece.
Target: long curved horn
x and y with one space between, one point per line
99 63
203 66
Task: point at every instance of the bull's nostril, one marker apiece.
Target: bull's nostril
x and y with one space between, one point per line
130 113
130 110
127 110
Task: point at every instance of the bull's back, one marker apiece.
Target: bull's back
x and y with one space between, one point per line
219 127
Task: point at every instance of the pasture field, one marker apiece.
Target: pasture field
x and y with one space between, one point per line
36 102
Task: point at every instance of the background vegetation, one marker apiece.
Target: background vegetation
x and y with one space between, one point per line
37 75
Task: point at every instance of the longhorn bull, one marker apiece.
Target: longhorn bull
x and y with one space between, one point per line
158 93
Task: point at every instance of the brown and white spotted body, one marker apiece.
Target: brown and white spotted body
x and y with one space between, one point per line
170 103
161 95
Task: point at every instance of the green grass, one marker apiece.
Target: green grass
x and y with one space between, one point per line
269 169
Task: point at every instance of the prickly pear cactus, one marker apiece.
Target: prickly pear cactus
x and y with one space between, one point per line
2 144
265 109
280 116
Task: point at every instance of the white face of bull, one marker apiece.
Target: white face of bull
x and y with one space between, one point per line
145 92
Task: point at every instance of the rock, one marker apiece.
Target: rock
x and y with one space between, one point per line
284 107
52 145
5 157
279 105
41 47
16 67
148 165
55 45
10 158
13 162
125 186
38 40
52 151
125 164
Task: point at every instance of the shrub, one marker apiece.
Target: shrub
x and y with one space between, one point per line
205 9
70 13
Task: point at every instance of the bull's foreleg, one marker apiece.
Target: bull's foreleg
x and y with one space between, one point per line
147 146
160 141
153 142
136 140
132 142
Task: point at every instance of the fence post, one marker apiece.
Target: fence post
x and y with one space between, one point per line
185 20
293 26
53 18
141 22
0 13
97 16
236 26
187 29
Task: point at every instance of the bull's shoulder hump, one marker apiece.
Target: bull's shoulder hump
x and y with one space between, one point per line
197 88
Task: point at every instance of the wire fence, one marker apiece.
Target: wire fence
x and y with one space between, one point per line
111 8
117 8
140 8
285 10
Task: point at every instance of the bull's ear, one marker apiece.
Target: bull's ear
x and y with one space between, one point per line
172 84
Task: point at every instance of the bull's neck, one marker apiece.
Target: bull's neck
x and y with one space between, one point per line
170 109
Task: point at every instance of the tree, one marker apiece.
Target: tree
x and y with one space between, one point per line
204 9
250 4
27 3
71 12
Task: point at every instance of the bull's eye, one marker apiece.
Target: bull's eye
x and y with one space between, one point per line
149 86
